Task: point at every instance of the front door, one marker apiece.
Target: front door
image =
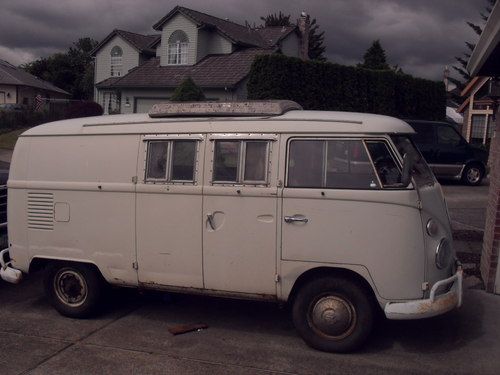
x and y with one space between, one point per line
337 210
240 215
169 206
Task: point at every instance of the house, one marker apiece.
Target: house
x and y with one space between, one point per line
134 71
484 63
20 87
477 110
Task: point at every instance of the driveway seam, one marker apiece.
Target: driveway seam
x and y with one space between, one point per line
174 356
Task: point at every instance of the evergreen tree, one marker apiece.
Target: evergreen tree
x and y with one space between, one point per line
274 19
316 42
316 49
375 58
187 91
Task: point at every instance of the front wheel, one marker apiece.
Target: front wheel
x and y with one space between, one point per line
472 174
333 314
74 289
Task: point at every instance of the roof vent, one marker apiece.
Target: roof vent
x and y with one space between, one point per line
221 109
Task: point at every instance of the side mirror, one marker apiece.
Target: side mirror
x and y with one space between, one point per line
407 168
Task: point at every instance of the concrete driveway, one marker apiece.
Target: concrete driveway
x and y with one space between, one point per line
131 337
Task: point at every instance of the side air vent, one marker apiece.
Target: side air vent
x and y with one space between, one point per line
40 211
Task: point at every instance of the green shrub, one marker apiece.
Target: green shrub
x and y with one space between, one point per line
327 86
187 92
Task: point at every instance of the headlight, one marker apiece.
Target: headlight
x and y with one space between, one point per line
431 227
443 254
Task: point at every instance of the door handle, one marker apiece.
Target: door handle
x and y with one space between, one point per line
296 218
211 221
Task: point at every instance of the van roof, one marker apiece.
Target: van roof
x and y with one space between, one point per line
290 122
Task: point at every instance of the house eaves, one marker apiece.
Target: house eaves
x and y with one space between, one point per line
132 39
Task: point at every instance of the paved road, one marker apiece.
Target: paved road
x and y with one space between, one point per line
243 337
466 205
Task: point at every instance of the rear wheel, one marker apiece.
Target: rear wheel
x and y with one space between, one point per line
333 314
472 174
74 289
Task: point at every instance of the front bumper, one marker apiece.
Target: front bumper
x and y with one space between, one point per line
434 305
8 273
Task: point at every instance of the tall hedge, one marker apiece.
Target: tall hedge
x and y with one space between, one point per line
327 86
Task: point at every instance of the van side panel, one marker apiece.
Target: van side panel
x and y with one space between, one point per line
379 230
80 202
18 236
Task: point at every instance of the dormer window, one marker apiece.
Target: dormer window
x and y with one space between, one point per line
178 44
116 61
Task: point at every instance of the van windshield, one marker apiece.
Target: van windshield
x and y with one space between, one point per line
421 172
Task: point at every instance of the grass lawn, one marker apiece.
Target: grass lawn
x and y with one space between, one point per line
8 139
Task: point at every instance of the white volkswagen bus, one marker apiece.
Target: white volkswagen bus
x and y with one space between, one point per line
335 213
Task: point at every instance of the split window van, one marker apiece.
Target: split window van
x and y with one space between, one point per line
335 213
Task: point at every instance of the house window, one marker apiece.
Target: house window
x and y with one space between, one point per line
178 45
478 129
116 61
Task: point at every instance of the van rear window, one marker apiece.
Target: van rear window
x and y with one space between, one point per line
171 161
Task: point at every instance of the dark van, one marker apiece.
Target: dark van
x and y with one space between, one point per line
448 154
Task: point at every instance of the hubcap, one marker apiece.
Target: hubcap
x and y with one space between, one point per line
333 316
70 287
473 175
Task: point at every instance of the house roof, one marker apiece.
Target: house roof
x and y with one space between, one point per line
142 43
212 71
236 33
271 35
475 83
11 75
107 82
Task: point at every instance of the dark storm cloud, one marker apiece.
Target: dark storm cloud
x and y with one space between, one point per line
421 36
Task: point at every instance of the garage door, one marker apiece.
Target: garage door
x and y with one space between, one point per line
143 105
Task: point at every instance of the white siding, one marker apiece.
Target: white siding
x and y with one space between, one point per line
12 94
103 58
179 22
290 46
210 43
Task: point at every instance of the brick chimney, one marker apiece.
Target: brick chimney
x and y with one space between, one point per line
304 24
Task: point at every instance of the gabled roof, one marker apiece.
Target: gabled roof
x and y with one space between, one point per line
475 83
271 35
235 32
141 43
10 75
212 71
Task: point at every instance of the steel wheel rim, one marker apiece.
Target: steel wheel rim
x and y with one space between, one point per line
332 317
70 287
473 175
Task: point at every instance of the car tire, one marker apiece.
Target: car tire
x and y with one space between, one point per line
74 289
472 174
333 314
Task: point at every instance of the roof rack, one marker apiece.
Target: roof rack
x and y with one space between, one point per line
221 109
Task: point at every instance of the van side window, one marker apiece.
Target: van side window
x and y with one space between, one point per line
171 161
387 170
333 164
242 162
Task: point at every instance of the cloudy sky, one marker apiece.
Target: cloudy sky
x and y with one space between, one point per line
421 36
